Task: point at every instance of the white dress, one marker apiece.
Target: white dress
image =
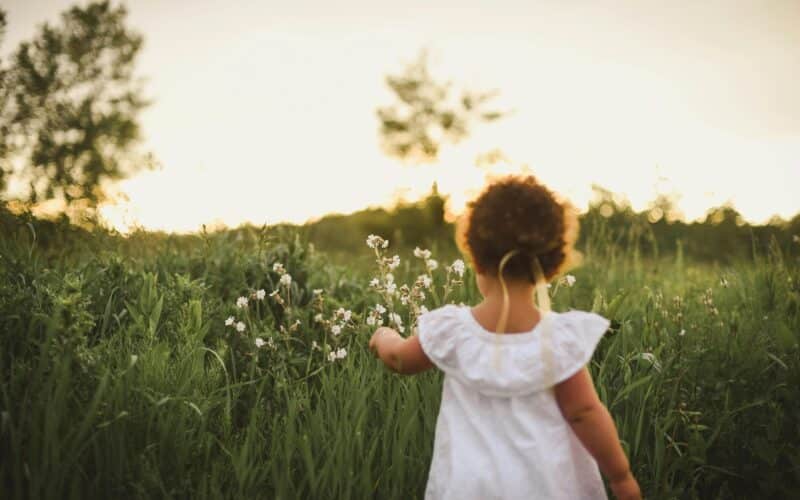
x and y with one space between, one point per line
500 433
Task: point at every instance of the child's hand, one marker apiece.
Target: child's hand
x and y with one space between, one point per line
626 488
380 334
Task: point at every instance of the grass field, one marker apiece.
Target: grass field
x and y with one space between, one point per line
121 378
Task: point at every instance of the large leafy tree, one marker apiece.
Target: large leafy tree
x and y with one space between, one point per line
428 113
69 103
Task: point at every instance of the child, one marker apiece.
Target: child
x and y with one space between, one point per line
519 416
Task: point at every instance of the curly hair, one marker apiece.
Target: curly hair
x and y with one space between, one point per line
518 215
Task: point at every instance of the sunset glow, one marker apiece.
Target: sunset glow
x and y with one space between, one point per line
265 111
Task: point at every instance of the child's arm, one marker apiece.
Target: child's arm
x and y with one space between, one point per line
401 355
593 425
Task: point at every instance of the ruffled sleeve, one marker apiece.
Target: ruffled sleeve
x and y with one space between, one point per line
574 342
438 333
511 364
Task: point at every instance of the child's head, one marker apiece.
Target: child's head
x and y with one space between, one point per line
517 215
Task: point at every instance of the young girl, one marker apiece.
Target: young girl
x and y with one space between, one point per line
519 416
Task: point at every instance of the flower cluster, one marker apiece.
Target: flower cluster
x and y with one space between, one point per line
340 320
376 242
397 320
708 300
375 316
425 255
457 268
239 325
284 281
259 342
406 300
340 353
243 303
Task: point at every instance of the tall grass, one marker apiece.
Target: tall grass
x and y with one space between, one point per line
121 380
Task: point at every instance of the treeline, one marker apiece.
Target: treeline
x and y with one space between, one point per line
722 237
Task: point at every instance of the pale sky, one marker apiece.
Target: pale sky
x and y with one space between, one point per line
265 111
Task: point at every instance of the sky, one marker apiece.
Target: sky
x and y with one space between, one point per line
264 111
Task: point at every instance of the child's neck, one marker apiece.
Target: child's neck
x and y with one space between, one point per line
523 314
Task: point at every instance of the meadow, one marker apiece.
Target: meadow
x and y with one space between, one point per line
234 364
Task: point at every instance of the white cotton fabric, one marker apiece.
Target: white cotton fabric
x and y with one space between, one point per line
500 433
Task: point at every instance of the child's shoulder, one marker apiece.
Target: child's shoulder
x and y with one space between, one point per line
574 320
497 364
445 311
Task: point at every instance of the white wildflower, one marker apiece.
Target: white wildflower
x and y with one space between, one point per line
431 264
336 329
371 320
260 342
240 327
241 302
391 288
317 292
396 319
229 321
260 294
318 318
286 279
374 283
569 280
374 241
343 313
425 280
422 254
278 268
394 262
380 309
340 353
681 333
314 345
389 278
458 267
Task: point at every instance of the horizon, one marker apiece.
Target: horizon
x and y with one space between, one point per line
272 118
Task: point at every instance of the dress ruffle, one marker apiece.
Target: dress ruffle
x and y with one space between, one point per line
510 364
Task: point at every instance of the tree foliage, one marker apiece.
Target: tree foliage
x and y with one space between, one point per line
428 113
69 105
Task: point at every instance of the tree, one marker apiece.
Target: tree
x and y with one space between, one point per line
3 99
69 105
428 113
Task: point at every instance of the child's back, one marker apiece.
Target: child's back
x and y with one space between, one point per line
500 433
